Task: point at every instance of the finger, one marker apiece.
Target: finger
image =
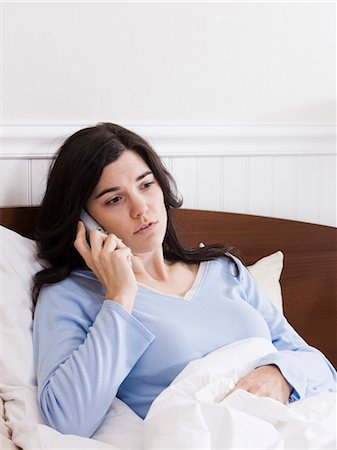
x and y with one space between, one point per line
128 254
97 241
111 243
80 232
252 386
80 242
239 385
120 243
123 255
249 387
243 384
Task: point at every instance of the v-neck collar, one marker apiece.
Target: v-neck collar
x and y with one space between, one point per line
190 293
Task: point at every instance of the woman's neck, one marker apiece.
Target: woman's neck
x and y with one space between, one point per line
170 278
151 265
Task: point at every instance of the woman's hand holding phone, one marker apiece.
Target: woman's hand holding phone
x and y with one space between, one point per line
109 258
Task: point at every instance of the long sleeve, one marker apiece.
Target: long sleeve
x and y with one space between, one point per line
83 352
305 368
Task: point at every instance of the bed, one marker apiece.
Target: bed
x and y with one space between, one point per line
294 262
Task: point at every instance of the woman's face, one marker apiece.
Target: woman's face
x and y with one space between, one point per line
127 198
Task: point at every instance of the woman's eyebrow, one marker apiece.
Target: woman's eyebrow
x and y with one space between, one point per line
118 188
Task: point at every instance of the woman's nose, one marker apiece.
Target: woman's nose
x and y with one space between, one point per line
138 206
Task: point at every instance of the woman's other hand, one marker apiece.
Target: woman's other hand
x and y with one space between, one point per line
110 259
266 381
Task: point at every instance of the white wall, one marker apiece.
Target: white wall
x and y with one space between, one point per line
166 63
169 62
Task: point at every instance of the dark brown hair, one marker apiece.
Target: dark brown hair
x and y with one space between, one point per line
74 174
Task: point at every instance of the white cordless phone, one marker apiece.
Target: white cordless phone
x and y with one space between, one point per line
90 223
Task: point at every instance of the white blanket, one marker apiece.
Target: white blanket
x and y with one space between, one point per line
195 413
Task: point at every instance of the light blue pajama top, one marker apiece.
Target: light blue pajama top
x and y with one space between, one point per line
89 350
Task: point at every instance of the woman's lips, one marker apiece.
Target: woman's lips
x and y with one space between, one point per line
148 229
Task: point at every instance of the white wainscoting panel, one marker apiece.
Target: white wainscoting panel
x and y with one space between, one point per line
185 173
235 184
327 176
40 169
284 194
308 188
15 182
277 171
259 186
209 183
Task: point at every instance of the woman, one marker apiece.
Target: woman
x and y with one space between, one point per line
122 313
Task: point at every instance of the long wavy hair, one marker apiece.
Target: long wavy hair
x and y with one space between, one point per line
73 176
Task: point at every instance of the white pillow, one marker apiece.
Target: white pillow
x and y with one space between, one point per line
18 389
267 272
18 264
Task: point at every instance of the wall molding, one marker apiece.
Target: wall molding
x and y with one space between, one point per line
41 141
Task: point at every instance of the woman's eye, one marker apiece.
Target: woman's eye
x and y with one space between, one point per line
148 184
113 201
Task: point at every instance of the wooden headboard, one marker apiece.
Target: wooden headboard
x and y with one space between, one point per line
309 278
